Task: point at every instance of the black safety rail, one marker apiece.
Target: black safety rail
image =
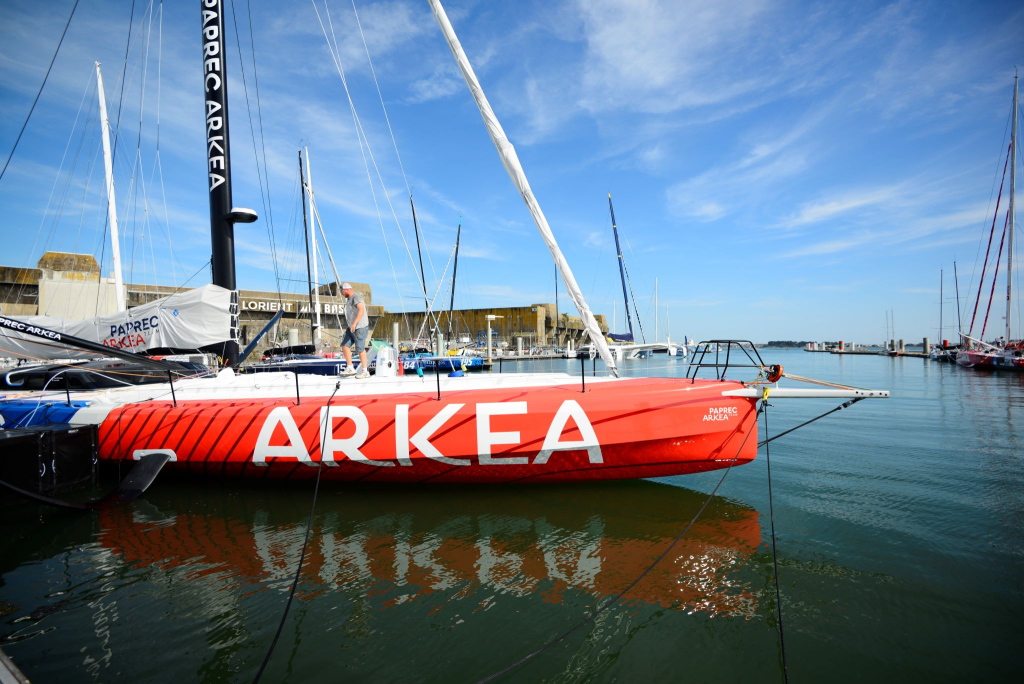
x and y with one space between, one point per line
721 355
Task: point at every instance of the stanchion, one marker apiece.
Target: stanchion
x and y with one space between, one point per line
170 381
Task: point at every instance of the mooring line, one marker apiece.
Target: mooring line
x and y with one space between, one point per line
305 541
775 554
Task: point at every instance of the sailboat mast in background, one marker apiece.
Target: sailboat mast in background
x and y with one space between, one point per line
108 163
455 271
307 231
1013 175
657 334
315 313
622 266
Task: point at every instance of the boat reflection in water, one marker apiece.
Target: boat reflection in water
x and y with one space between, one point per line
391 548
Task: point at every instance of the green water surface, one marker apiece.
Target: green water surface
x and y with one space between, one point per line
900 532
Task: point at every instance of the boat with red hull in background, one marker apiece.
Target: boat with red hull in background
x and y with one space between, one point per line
1004 353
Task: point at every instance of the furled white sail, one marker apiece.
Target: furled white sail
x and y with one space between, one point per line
185 320
515 171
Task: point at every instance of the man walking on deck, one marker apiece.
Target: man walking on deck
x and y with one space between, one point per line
355 334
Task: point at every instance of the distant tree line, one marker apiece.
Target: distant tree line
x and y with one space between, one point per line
791 343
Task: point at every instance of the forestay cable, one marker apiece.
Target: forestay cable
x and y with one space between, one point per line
775 554
385 109
361 135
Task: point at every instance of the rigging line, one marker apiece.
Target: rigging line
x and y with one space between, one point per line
995 277
208 262
988 250
361 136
159 69
631 295
56 179
124 68
117 136
337 279
323 267
988 206
138 147
336 55
844 405
440 282
64 198
615 599
775 553
325 423
385 109
137 162
252 133
43 84
159 162
81 217
263 143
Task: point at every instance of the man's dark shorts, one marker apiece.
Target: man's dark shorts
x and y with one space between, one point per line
356 340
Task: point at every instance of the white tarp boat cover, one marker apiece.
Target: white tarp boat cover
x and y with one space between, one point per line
185 320
510 160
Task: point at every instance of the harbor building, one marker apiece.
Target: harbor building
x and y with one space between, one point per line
534 324
65 285
71 286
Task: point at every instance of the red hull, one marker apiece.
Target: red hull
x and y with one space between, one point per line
982 359
615 430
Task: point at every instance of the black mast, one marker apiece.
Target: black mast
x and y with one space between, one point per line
309 268
622 265
218 163
423 277
455 271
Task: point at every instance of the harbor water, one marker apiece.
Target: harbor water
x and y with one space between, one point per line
900 535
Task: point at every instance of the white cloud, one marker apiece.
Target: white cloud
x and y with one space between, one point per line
440 84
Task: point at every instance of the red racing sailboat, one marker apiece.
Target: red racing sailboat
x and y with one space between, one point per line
476 429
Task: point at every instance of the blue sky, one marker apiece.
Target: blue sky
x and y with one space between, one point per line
786 170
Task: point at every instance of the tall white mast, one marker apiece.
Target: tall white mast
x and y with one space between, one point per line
108 165
1009 253
657 334
510 160
312 241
